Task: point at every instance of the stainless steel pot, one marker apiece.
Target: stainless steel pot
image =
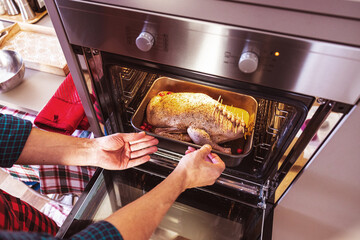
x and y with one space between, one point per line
12 70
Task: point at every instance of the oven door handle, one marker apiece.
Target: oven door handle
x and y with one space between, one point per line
238 185
168 159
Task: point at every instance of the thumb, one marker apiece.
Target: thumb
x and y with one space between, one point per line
205 150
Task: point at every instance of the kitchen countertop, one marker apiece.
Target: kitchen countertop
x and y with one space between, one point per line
36 89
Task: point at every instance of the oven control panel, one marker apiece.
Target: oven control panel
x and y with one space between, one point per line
225 51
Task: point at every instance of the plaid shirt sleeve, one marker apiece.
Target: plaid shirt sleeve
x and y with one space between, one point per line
98 231
13 134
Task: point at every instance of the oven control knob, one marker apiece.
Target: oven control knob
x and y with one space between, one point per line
248 62
145 41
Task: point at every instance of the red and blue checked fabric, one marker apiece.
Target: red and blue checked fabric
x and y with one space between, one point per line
100 230
64 179
97 231
13 135
17 215
24 173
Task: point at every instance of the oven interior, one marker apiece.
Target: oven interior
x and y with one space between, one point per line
121 86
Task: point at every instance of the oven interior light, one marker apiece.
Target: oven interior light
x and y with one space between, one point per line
276 54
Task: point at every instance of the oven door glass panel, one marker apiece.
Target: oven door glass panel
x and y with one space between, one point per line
322 133
197 214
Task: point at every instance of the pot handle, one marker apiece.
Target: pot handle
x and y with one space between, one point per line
3 35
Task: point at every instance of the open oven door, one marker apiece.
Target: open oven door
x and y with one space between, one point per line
197 213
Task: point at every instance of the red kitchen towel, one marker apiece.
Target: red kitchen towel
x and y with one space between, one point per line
64 112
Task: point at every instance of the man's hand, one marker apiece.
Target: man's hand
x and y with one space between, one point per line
200 167
123 150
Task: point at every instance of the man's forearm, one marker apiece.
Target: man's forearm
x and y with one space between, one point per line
139 219
48 148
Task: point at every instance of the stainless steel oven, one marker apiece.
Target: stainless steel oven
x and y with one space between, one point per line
300 64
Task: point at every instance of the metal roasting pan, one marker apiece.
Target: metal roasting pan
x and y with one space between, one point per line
245 102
